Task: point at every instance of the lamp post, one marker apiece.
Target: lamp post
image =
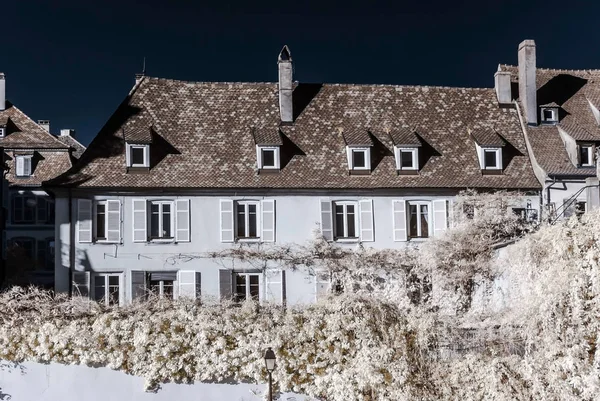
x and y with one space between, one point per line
270 365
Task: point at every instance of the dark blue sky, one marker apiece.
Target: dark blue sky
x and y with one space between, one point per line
73 62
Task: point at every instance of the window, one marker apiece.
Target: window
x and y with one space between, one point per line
322 283
247 287
418 219
161 220
586 155
29 209
360 159
107 289
491 159
162 288
549 115
346 220
23 248
580 208
45 254
268 157
407 158
2 132
23 166
101 223
247 220
138 155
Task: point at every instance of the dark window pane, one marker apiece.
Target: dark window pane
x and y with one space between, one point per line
155 288
358 159
50 213
241 221
406 159
350 220
252 224
339 220
100 221
268 157
240 288
137 156
254 287
99 288
584 155
424 221
490 159
166 221
412 222
168 289
154 219
548 115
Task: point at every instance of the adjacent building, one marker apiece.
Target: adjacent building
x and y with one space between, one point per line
183 169
31 155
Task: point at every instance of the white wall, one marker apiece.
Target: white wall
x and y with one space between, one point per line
32 381
561 190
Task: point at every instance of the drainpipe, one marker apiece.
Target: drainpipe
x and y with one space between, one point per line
71 245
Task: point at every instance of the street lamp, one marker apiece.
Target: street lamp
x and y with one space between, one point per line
270 364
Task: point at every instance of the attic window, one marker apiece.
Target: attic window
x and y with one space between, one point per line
359 158
586 155
23 166
549 115
2 132
138 155
491 159
268 157
407 158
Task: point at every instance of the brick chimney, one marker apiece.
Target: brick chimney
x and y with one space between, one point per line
527 86
2 91
502 85
45 124
284 62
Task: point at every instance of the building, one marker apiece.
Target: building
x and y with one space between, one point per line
182 169
31 155
561 121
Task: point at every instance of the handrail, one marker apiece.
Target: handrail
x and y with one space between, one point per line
569 202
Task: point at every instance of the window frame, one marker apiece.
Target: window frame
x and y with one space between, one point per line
146 150
345 237
160 220
367 155
415 158
106 277
247 296
161 287
553 119
2 132
498 154
22 199
261 162
95 237
26 161
246 203
590 153
419 228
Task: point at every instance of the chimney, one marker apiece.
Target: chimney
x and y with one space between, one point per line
284 62
67 132
502 85
527 87
2 92
45 124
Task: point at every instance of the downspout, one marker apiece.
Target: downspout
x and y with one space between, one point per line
71 245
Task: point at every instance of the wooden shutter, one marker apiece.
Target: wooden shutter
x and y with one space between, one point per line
182 220
367 233
81 284
268 220
226 206
399 220
440 217
139 220
225 284
84 220
188 282
138 285
113 226
326 220
275 284
20 161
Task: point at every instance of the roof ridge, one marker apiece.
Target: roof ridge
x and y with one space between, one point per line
36 124
556 69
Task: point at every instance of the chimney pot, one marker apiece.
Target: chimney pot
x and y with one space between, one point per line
527 85
45 124
67 132
284 63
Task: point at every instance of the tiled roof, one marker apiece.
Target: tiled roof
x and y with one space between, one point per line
355 136
207 143
404 136
23 132
487 137
570 90
267 136
77 147
138 134
580 133
45 166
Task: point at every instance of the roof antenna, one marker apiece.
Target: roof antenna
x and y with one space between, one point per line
144 66
140 76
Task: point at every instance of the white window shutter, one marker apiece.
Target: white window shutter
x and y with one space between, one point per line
84 220
225 284
186 282
26 166
226 206
81 284
367 233
138 285
139 220
399 219
20 165
326 220
275 285
182 220
268 220
440 217
113 226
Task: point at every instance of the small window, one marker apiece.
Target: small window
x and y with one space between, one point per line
23 166
346 220
491 159
161 220
407 158
247 220
360 159
247 287
101 222
418 220
2 132
137 155
268 157
580 208
549 115
107 289
162 288
586 155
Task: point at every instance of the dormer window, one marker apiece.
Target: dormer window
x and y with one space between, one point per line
2 132
491 159
268 157
489 144
407 160
549 115
268 149
23 166
360 159
138 155
586 155
358 149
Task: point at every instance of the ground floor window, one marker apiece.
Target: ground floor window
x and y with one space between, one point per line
418 219
247 287
346 220
161 287
107 288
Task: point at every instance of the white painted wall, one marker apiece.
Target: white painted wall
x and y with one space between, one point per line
32 381
559 191
296 219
